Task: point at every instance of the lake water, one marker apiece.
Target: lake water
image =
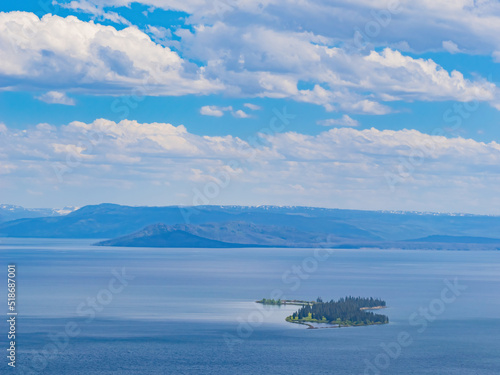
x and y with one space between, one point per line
192 311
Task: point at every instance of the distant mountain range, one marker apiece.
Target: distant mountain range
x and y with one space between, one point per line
10 212
457 239
236 226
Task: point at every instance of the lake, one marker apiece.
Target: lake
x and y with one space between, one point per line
101 310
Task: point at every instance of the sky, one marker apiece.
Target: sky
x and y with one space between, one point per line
375 105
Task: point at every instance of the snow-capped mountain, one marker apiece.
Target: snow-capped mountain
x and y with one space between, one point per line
11 212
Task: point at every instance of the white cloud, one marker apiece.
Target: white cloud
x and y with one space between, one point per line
213 110
342 167
423 79
422 25
216 111
86 57
209 110
345 120
96 10
160 35
241 114
451 47
252 107
56 97
46 127
261 62
257 58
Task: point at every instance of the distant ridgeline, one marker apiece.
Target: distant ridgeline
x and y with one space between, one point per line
262 226
346 312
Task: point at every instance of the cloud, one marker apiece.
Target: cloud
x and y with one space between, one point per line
341 167
56 97
86 57
345 120
451 47
209 110
97 10
256 58
423 79
261 62
216 111
241 114
252 107
213 110
160 34
421 25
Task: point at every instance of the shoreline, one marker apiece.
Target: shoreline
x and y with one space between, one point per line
310 326
350 320
333 325
309 323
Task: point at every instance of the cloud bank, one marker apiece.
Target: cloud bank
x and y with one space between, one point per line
340 167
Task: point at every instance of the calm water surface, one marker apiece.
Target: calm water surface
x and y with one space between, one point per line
191 311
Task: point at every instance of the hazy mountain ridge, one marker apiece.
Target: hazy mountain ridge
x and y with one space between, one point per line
265 226
109 220
10 212
457 239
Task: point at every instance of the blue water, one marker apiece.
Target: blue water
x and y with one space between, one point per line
191 311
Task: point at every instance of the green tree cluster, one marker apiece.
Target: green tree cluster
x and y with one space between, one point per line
265 301
346 310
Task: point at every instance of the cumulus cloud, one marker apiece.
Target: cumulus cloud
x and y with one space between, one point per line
87 57
255 59
421 25
342 167
258 61
241 114
345 120
213 110
217 111
252 60
423 79
56 97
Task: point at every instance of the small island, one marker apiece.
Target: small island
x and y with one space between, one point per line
346 312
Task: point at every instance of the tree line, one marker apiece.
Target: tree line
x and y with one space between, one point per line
265 301
346 309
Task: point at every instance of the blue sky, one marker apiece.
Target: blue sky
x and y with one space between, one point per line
353 104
